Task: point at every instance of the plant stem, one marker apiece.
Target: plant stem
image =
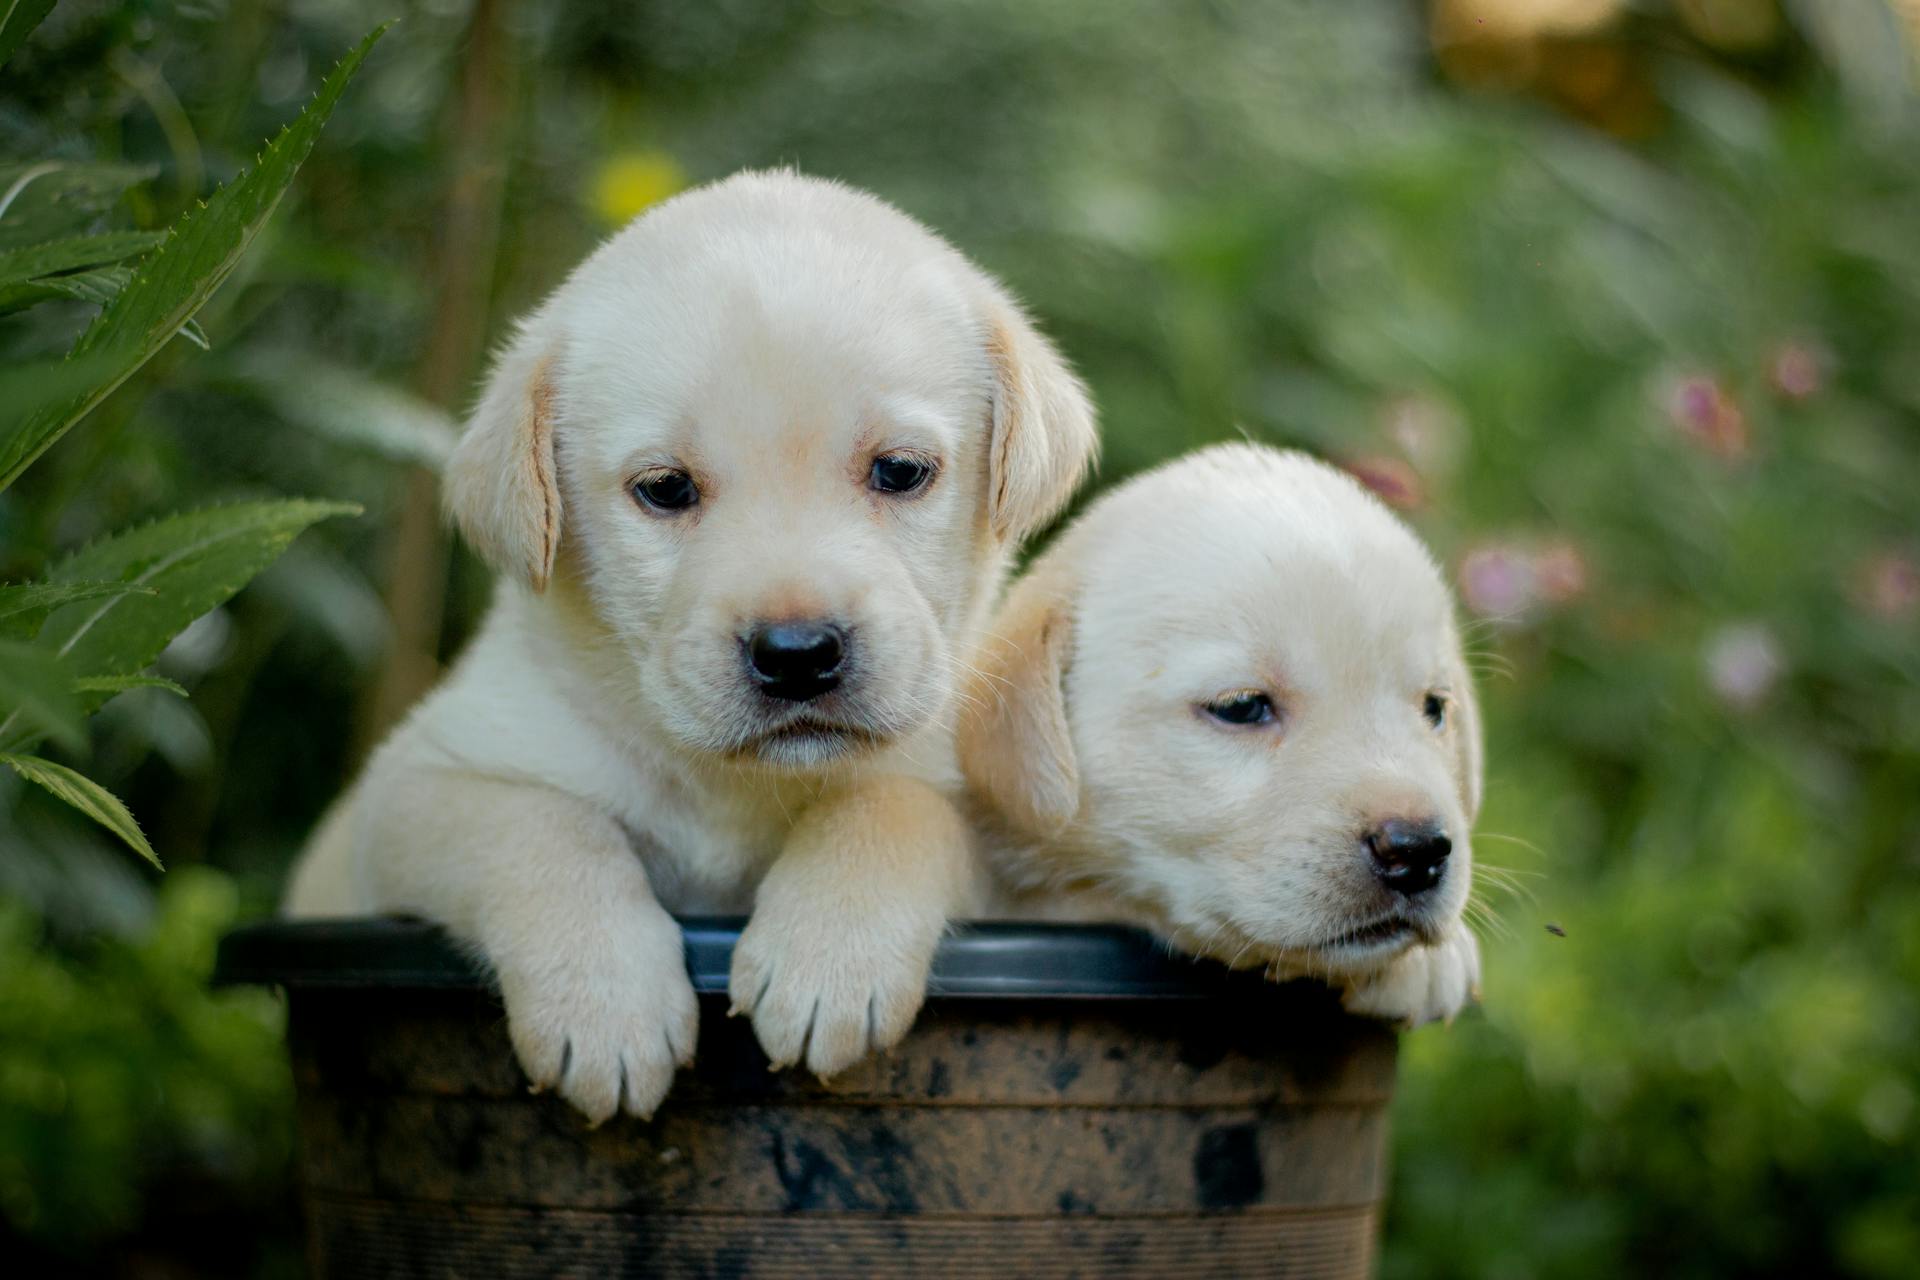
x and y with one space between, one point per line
416 587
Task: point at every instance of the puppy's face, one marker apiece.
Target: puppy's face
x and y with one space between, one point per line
790 432
779 504
1271 737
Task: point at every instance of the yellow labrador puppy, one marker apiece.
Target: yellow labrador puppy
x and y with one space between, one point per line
1229 705
751 475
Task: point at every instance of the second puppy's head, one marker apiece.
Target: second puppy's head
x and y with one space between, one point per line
776 438
1233 696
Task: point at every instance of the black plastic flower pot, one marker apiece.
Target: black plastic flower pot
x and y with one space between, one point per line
1072 1102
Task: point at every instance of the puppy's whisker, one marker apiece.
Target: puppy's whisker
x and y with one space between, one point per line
1522 841
1480 912
1511 889
1509 875
968 700
1487 924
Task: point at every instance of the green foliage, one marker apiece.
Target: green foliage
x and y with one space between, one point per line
176 278
85 795
33 273
18 18
25 606
187 564
118 1065
349 407
38 685
112 607
48 200
57 256
120 684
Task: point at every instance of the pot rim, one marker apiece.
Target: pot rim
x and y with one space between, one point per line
976 960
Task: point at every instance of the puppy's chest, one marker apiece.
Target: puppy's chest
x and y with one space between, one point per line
706 860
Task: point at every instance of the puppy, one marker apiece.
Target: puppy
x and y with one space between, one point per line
751 476
1229 705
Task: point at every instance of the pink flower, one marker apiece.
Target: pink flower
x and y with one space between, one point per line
1708 415
1560 571
1797 371
1507 580
1890 585
1396 483
1497 581
1743 663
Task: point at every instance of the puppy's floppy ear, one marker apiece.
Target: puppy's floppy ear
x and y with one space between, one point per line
1044 438
500 485
1015 747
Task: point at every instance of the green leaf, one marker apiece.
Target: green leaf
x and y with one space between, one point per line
175 280
97 285
86 795
25 606
71 254
49 199
190 562
36 691
18 18
25 603
111 685
25 389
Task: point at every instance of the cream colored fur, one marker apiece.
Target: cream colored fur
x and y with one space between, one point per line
598 758
1106 792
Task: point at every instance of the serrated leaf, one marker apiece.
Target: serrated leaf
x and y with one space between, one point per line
38 597
18 18
48 199
56 257
86 795
97 285
37 694
112 685
192 562
174 281
24 605
27 388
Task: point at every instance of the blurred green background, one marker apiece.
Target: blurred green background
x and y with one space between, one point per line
1620 302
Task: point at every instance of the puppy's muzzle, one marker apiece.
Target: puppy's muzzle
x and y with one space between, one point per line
796 661
1409 857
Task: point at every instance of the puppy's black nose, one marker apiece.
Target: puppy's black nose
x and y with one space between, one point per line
1408 857
795 661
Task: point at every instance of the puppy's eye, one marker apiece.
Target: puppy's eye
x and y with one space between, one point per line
900 473
1435 709
1249 706
666 490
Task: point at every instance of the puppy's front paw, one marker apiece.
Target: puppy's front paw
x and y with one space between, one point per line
827 990
604 1027
1427 983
